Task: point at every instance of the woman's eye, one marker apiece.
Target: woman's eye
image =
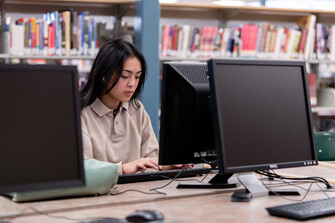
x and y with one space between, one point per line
123 76
137 77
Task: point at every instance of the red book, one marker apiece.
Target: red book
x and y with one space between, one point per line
303 41
249 37
312 88
51 40
165 40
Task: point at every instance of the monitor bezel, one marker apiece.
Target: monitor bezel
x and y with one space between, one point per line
222 160
80 180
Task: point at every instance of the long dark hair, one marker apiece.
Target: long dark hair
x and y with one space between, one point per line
109 62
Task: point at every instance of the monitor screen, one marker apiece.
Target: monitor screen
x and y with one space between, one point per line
262 115
40 129
186 130
261 118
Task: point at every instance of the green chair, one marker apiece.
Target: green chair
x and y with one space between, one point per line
325 145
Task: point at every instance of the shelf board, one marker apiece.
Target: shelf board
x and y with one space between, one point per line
323 109
98 7
320 61
244 13
69 1
6 56
162 59
242 8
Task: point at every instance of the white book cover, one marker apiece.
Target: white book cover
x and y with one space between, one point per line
225 40
17 48
279 41
310 37
290 43
186 29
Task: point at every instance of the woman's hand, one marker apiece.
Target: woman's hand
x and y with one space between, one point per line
140 165
177 166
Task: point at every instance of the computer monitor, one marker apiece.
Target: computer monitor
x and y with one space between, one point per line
186 130
40 128
261 117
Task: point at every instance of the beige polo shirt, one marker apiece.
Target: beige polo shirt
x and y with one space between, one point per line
126 138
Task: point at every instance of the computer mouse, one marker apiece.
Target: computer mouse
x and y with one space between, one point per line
145 216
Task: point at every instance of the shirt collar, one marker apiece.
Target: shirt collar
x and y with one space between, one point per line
100 109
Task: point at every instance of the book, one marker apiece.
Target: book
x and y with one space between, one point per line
65 16
18 37
249 39
308 22
46 22
312 80
165 39
32 38
74 34
332 43
52 34
320 41
279 42
302 43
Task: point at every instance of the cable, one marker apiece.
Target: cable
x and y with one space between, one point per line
275 175
175 177
213 163
134 190
161 187
61 217
152 189
286 198
312 180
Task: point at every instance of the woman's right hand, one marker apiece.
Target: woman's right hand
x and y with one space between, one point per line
140 165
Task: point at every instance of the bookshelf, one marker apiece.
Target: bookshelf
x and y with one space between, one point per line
177 13
119 9
228 16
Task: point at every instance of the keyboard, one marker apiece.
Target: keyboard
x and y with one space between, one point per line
161 175
305 210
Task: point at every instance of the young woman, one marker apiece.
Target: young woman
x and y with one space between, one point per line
115 126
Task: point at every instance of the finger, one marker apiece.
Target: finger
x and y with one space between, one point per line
141 166
153 161
150 164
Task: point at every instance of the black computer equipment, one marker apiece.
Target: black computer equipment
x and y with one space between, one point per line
162 175
186 130
305 210
40 128
261 117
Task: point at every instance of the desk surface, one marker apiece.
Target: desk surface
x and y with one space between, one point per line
179 205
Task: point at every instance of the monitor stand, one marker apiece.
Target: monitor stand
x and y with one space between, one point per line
219 181
255 188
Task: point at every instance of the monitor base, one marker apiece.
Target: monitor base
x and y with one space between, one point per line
206 185
219 181
243 195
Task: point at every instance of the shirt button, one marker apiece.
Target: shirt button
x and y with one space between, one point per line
115 123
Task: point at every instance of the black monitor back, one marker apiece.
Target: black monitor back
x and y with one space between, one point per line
40 134
186 130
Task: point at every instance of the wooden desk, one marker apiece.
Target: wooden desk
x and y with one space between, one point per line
179 205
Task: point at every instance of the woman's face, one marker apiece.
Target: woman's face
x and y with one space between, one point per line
126 86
